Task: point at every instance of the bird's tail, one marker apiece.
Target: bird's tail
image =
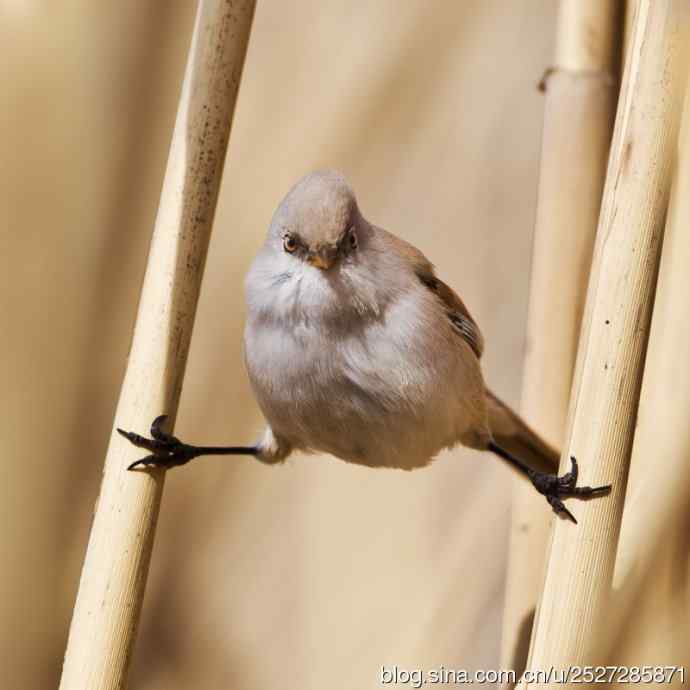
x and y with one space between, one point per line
511 433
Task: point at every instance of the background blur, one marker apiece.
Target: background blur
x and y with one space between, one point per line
315 573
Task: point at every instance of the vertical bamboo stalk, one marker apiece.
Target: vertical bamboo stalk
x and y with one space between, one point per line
658 500
611 356
581 91
113 578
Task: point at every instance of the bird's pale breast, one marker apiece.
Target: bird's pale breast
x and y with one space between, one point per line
387 391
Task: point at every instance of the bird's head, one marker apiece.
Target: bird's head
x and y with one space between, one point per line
321 259
318 222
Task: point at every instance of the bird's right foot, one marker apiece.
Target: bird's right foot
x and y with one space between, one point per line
166 450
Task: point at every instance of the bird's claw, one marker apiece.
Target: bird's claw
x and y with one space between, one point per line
555 488
166 450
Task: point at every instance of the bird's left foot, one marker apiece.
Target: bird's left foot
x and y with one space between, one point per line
555 488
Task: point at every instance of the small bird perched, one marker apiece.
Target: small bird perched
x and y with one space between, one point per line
355 348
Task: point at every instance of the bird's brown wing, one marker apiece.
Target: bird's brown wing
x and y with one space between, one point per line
507 428
455 308
457 312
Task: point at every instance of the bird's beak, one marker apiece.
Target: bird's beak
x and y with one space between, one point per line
321 260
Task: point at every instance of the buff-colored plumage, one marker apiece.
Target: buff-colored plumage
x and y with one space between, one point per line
355 348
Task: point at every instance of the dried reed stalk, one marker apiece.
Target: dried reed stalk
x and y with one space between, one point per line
581 91
573 608
657 505
113 578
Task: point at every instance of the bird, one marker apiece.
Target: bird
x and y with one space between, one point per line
354 347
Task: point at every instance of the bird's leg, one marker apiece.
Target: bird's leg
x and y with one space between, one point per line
168 451
553 487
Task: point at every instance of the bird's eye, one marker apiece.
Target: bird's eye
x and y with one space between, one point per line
289 243
353 239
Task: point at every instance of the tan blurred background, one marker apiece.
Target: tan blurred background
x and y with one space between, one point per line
315 573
